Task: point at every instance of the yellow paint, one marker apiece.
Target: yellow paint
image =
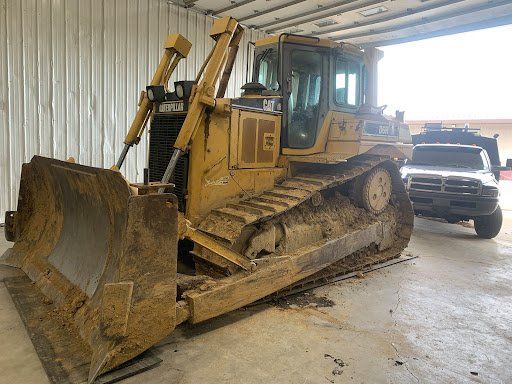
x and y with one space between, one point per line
212 182
260 144
342 136
312 41
178 43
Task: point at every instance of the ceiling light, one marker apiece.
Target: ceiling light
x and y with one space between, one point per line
325 23
373 11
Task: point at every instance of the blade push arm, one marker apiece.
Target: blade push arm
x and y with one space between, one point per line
176 48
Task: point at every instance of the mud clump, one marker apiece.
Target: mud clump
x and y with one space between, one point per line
339 364
303 300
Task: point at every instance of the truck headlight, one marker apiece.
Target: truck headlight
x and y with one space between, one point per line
405 179
490 191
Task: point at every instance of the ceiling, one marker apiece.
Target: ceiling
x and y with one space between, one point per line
362 22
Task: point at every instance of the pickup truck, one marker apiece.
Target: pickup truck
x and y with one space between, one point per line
455 183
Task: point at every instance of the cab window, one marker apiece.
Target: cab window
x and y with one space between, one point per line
347 83
267 69
305 83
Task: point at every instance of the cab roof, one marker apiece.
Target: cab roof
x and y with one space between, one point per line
308 40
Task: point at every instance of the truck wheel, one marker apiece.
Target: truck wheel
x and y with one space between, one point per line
452 219
489 226
373 190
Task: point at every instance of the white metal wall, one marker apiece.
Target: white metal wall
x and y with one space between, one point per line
71 72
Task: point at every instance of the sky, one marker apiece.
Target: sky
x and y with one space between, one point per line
464 76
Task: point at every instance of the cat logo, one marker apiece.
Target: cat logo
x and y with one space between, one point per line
177 106
268 105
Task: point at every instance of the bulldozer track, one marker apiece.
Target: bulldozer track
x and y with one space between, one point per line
325 279
228 222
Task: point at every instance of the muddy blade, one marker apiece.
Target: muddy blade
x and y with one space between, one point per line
99 253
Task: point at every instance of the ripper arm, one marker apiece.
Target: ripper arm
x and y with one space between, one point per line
176 48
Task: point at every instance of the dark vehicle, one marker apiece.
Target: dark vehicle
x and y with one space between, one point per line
455 183
435 133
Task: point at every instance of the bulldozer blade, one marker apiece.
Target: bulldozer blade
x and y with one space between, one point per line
102 254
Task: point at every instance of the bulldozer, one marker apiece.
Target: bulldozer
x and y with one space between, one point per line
293 181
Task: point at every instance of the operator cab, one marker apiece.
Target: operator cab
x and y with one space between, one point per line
314 76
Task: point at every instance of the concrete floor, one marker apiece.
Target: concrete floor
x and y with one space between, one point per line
434 319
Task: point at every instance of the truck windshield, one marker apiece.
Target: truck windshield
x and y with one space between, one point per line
266 64
450 156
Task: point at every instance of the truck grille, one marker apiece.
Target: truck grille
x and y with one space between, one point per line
165 128
459 186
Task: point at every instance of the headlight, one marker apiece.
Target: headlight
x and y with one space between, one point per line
179 91
183 89
490 191
151 96
405 179
156 93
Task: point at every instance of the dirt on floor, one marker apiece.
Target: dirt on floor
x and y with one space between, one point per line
302 300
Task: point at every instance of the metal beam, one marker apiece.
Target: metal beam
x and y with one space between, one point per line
490 23
423 21
270 10
295 17
232 6
408 12
319 10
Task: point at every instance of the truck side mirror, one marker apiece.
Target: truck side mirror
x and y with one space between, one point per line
496 173
496 169
509 163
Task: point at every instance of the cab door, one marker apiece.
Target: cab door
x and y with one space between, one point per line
305 91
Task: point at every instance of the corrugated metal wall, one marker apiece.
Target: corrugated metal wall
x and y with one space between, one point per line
71 72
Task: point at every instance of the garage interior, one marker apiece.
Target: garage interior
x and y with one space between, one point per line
71 73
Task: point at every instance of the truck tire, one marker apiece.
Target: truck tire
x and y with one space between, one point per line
452 219
489 226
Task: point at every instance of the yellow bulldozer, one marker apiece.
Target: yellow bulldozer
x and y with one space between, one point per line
244 197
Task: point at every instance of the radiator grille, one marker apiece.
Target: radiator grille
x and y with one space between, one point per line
446 185
164 131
